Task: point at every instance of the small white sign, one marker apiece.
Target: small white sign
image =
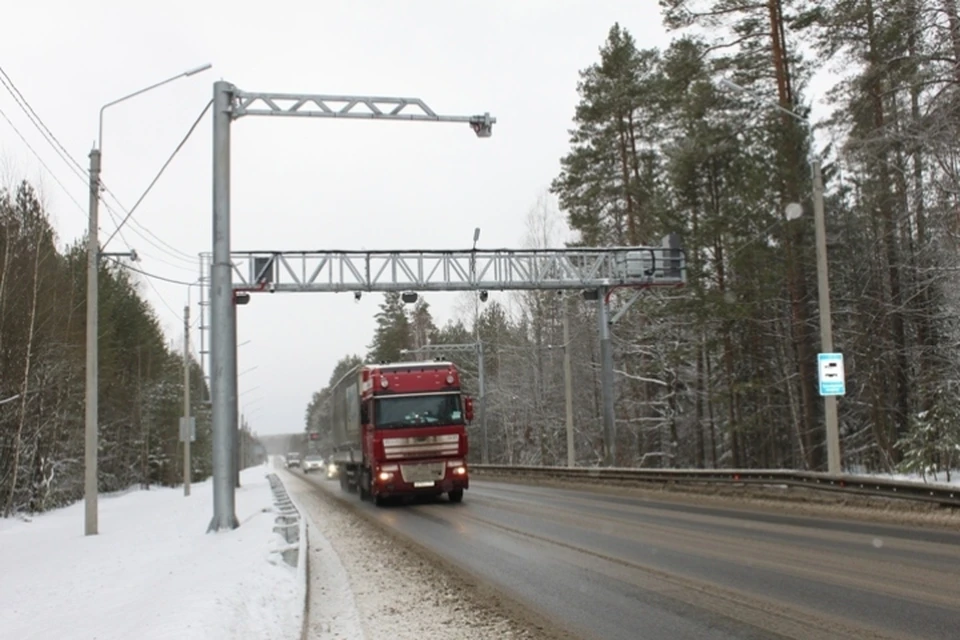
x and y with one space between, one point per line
184 427
832 377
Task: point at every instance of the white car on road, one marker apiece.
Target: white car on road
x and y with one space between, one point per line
312 463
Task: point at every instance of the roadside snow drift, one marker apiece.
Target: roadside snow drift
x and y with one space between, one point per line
152 572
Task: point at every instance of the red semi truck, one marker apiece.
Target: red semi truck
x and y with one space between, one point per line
401 429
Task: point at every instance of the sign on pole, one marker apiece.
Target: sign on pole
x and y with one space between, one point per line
832 378
192 427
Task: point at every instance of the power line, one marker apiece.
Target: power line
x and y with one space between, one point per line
153 275
81 209
53 175
40 160
35 118
164 301
45 131
162 169
78 169
48 136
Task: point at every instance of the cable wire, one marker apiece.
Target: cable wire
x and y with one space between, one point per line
78 169
151 275
162 169
35 118
42 163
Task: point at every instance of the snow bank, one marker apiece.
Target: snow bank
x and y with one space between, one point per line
360 592
935 479
152 572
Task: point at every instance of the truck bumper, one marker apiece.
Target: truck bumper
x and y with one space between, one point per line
392 489
396 486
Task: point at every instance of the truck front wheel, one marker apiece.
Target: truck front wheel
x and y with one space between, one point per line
456 495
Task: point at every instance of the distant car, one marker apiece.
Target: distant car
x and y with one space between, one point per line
293 460
312 463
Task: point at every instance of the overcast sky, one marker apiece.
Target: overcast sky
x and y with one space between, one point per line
299 183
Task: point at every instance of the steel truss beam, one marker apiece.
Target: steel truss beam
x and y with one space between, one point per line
496 270
362 107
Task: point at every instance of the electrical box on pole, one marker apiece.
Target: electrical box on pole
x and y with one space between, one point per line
188 425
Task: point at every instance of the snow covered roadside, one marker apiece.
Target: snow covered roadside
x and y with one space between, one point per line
932 479
358 595
152 571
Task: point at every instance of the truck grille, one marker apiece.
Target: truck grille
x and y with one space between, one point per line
421 446
426 472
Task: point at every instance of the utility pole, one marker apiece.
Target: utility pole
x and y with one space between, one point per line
826 326
237 419
484 442
606 379
823 277
485 445
568 385
92 412
188 432
90 486
223 310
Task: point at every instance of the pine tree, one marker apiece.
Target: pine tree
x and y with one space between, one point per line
41 351
344 365
602 185
393 333
422 329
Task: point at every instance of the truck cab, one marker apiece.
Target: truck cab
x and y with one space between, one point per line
401 430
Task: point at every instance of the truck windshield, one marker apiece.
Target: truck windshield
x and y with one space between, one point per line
406 411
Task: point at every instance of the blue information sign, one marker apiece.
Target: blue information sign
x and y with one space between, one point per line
832 378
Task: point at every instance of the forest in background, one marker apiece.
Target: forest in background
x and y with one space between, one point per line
42 373
723 373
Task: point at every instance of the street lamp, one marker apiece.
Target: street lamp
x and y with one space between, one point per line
93 263
823 279
185 74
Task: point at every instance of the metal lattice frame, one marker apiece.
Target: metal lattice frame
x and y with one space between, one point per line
422 271
350 107
589 269
204 304
229 104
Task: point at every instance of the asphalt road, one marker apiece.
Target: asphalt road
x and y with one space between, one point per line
621 567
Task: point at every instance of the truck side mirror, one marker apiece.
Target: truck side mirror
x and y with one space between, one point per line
468 408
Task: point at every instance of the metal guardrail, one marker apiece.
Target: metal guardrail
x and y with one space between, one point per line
863 485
